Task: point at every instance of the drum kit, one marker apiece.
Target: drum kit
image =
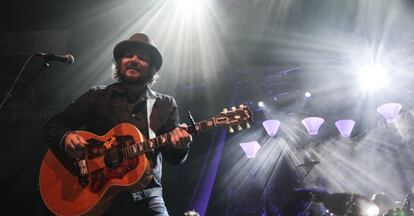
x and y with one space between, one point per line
347 204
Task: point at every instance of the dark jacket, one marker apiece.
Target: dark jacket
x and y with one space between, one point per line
102 108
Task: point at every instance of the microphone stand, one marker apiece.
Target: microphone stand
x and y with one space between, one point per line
308 170
308 165
12 92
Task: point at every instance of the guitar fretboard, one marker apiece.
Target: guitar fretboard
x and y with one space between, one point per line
164 139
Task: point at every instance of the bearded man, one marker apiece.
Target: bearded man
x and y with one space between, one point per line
130 100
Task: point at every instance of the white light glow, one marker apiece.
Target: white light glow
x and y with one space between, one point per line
260 104
189 7
308 94
372 211
372 77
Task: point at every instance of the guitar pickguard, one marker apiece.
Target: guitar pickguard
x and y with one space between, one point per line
101 176
116 166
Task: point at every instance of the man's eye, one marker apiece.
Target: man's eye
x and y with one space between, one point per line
128 55
144 58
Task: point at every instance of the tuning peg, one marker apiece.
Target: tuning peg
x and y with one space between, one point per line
233 108
231 130
225 110
239 128
247 125
241 106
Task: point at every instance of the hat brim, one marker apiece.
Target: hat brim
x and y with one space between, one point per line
128 45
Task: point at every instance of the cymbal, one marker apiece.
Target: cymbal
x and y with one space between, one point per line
350 204
317 195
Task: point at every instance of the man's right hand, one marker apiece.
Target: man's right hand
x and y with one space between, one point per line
75 145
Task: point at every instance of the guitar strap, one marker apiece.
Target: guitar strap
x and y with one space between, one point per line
151 134
150 105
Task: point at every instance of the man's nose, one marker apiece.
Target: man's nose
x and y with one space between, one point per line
134 57
133 62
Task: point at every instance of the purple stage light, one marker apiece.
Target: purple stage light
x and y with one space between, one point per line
389 111
313 124
271 127
250 148
345 127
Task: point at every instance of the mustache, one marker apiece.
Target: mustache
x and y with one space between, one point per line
133 65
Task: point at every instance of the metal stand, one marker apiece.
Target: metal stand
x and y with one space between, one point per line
308 170
12 93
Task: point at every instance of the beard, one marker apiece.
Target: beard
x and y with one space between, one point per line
143 78
135 80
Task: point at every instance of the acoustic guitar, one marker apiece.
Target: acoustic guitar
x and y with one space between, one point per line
112 163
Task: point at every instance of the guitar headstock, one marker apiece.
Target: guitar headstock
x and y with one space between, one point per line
235 117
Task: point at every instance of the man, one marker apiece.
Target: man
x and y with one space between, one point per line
130 100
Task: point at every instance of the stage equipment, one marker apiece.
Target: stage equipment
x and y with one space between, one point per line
350 204
308 163
345 127
49 57
373 76
13 91
310 194
304 201
271 127
313 124
405 210
250 148
389 111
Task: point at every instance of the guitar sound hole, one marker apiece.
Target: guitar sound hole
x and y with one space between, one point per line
113 157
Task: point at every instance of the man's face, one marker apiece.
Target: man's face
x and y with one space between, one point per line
135 67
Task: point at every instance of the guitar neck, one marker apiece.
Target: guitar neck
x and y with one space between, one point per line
164 139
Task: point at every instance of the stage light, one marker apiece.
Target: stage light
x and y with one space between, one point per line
271 126
372 77
308 94
371 210
189 6
313 124
345 127
250 148
389 111
260 104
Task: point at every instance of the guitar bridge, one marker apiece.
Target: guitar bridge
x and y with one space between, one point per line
83 173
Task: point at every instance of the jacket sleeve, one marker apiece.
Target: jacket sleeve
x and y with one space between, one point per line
171 155
70 119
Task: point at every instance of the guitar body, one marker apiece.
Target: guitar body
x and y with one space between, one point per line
113 163
59 183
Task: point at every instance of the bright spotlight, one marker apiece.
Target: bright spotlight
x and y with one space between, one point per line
189 6
372 76
308 94
372 211
260 104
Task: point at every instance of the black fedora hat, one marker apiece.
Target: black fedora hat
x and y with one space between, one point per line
139 41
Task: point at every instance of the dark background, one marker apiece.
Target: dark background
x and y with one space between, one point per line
247 51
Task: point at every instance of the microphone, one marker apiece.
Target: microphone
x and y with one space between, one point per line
309 163
67 58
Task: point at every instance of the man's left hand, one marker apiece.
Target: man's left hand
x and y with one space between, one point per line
180 138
